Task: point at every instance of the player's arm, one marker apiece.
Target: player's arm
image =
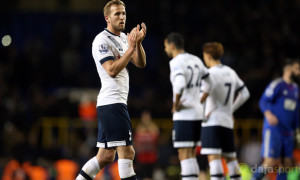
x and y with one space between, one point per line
242 96
177 105
178 83
204 97
113 68
139 56
178 86
297 120
265 104
297 130
206 86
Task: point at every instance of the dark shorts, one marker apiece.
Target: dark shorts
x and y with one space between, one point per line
114 126
186 133
218 140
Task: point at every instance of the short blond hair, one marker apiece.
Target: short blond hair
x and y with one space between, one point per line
106 9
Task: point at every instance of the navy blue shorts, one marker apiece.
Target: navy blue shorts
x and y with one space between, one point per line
114 126
218 140
186 133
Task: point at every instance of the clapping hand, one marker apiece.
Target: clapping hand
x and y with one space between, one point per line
132 37
140 32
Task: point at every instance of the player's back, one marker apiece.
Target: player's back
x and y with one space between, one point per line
219 103
193 69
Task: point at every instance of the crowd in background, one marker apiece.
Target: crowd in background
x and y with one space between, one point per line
50 56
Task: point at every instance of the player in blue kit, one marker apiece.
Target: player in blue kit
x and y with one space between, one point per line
280 106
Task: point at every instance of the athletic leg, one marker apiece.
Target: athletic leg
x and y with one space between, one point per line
93 166
125 162
215 167
233 167
261 171
228 152
282 174
188 163
271 151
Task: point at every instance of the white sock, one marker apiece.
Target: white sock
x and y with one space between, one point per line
189 169
89 170
125 167
196 166
216 170
233 170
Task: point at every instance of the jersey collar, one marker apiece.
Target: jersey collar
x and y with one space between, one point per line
111 32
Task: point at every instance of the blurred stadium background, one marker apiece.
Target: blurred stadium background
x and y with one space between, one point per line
49 83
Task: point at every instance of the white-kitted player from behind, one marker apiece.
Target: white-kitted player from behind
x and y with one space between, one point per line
187 71
219 92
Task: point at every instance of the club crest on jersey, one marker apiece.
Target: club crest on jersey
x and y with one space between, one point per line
130 135
103 48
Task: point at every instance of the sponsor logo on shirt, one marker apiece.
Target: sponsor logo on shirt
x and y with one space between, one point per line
119 47
290 104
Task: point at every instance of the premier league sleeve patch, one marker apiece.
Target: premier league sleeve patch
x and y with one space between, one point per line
103 48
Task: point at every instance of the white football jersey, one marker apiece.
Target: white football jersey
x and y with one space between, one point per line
224 83
193 70
108 46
